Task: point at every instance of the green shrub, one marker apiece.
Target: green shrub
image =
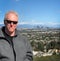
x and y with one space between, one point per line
48 58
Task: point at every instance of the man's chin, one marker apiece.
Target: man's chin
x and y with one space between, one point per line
11 31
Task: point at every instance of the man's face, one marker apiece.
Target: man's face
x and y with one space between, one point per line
11 22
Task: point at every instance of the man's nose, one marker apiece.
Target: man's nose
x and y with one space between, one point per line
11 23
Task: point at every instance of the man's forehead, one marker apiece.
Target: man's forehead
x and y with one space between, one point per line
11 13
11 16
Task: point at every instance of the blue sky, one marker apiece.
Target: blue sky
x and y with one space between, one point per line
45 12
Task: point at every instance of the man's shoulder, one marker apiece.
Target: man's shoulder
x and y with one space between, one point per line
0 29
21 34
1 33
18 32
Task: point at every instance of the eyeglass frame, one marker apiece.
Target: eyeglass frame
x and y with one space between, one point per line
9 21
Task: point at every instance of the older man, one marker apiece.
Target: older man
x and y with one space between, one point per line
13 46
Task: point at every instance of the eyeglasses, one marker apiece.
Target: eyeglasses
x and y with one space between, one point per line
9 22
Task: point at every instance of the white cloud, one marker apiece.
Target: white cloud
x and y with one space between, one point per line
40 23
32 22
53 23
